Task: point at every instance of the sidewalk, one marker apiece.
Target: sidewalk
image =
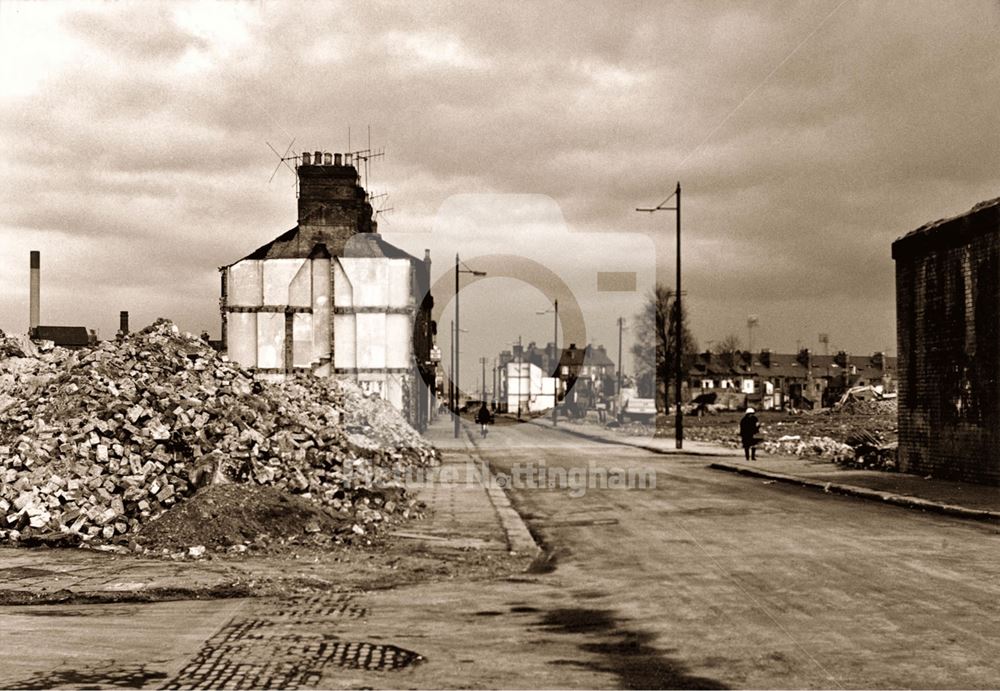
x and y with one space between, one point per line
463 515
959 499
663 445
456 490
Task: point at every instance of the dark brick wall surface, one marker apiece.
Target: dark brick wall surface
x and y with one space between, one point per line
947 311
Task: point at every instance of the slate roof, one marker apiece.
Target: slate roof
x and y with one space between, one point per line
787 366
307 242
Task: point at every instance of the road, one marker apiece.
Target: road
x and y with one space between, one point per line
749 584
706 580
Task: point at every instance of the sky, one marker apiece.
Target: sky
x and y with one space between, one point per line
806 136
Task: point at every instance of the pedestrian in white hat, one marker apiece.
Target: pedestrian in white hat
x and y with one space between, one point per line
749 429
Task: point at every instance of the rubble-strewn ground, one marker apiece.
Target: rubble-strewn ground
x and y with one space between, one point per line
96 443
859 433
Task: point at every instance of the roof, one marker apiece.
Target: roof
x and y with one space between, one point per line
305 242
598 357
955 230
65 336
787 365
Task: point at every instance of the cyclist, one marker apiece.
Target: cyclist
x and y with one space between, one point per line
483 417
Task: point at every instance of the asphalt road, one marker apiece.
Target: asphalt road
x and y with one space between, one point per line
749 584
706 580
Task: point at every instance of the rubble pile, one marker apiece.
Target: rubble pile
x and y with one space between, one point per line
796 445
95 443
858 432
861 406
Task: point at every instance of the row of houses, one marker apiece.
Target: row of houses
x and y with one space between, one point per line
586 378
779 380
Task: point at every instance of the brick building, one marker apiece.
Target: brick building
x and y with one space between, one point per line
948 314
331 297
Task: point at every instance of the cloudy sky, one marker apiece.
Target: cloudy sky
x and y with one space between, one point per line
807 136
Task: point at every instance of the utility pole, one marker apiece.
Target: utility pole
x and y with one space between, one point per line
451 371
555 356
457 332
519 381
482 361
678 330
618 391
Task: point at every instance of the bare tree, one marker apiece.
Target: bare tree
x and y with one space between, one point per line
655 344
728 349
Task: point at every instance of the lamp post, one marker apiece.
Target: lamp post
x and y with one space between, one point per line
678 335
520 381
482 390
459 270
451 369
618 390
555 356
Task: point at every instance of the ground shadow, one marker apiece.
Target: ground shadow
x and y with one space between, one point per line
626 653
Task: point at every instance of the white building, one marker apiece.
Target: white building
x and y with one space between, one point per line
528 389
331 297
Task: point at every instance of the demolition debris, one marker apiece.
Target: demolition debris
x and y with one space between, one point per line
96 443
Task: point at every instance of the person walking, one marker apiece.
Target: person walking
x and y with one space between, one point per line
749 429
483 417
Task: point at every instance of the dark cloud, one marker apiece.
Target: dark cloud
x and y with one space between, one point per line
807 136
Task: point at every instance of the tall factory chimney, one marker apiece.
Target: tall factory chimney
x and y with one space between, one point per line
36 261
123 322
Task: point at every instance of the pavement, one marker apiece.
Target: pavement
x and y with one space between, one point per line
962 500
464 513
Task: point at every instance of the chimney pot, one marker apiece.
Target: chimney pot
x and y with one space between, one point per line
327 158
336 159
123 321
348 159
317 158
306 158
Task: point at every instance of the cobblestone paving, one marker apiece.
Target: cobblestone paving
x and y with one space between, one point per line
286 644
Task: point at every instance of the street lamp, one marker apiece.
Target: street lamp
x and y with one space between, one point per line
555 356
459 270
678 335
618 390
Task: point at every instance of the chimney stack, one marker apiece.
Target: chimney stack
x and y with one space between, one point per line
123 322
36 262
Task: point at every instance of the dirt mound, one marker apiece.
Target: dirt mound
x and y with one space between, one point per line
225 516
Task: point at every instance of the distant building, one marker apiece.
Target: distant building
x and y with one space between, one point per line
948 331
72 337
331 297
580 377
779 380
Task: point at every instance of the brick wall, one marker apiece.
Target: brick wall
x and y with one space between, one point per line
948 332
